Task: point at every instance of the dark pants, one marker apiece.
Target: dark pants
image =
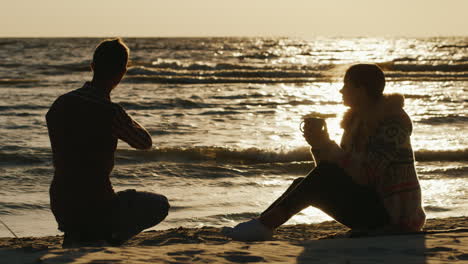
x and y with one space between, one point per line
131 212
330 189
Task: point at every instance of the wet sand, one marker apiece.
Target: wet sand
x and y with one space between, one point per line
444 240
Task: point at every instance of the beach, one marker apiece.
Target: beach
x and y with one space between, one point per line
443 240
198 126
224 115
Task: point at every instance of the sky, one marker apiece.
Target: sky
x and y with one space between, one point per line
177 18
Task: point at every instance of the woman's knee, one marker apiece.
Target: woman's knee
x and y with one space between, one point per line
298 180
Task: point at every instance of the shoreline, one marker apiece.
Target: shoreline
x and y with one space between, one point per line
442 240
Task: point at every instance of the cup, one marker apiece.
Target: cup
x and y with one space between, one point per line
312 124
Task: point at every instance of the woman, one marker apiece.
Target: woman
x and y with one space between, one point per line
369 182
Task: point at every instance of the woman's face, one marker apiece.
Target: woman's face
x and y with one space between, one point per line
353 96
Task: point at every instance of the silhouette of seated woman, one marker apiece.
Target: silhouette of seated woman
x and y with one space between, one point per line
369 181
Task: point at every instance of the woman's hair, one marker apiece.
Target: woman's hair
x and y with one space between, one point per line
110 57
368 76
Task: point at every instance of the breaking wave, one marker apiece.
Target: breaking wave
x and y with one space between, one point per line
259 156
448 119
218 154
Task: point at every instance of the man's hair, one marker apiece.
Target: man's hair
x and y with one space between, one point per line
110 57
368 76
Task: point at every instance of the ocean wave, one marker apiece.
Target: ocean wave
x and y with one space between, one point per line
442 155
241 73
413 67
236 216
221 107
242 96
429 76
405 59
7 81
295 103
448 119
8 42
179 65
10 208
10 65
416 96
189 79
213 220
169 104
448 171
430 208
179 103
456 46
218 154
51 69
205 66
25 156
83 66
263 55
194 73
15 114
223 112
258 156
21 107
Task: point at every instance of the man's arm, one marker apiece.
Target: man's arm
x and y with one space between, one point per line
128 130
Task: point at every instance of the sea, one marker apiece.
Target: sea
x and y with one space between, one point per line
224 114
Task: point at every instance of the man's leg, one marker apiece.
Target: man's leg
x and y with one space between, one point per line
85 225
328 188
135 211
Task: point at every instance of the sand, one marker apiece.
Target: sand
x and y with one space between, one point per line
444 241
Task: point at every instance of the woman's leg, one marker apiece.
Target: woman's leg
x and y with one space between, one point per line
290 188
328 188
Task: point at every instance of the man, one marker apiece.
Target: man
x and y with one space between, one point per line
84 126
369 182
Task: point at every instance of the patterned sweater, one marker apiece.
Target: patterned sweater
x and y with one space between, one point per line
376 151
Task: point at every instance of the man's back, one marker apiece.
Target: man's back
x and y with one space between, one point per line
84 126
80 129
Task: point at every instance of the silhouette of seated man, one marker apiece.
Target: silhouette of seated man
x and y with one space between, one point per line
84 127
369 181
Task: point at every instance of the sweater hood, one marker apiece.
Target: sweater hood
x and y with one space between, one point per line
390 104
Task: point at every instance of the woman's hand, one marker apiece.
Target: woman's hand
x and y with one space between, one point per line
317 137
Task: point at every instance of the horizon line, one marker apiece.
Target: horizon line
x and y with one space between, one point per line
239 36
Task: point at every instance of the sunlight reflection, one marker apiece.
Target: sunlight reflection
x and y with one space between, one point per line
441 196
309 215
275 182
324 100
